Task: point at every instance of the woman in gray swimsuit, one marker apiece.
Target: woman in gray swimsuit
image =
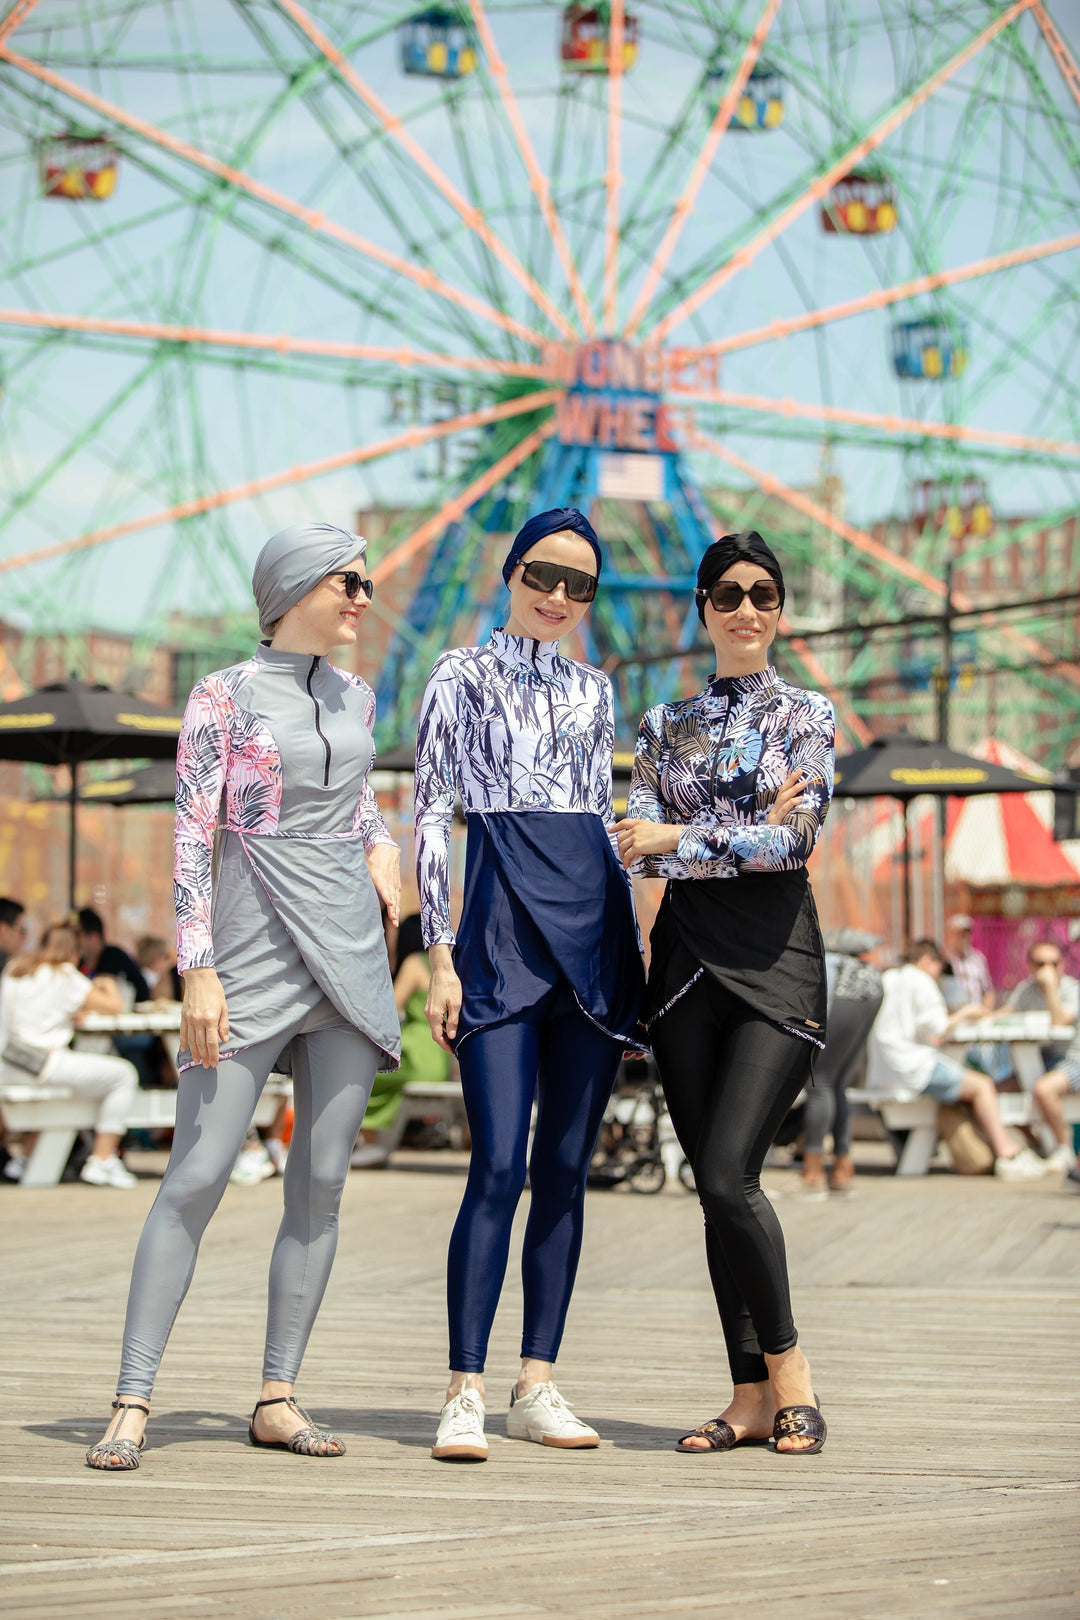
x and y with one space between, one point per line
284 965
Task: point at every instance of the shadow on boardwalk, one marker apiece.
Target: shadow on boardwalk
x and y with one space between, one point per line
941 1318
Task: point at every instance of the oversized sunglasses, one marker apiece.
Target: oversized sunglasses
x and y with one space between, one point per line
548 576
727 595
355 583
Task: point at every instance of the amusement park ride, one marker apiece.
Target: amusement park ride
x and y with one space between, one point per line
605 238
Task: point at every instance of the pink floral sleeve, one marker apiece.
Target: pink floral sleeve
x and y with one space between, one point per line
368 821
202 758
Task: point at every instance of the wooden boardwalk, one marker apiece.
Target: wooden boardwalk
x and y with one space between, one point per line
942 1317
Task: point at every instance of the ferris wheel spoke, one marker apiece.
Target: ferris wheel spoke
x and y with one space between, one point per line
270 342
865 543
613 171
881 297
455 508
744 256
537 178
410 439
16 17
1062 56
470 214
684 206
916 427
312 218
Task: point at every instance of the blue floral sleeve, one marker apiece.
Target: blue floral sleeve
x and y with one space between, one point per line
436 786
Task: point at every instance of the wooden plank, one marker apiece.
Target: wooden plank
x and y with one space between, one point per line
941 1317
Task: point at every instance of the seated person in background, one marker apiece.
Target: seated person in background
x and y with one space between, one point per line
1049 1092
42 993
12 929
1048 990
421 1058
96 957
971 970
157 963
904 1056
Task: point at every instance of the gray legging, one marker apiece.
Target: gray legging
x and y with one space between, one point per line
826 1100
333 1070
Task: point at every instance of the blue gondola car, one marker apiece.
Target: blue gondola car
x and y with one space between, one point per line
761 105
929 348
438 45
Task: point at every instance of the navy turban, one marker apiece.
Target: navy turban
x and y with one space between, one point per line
733 548
294 560
539 527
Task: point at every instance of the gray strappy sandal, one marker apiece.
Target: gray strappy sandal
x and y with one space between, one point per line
118 1456
305 1442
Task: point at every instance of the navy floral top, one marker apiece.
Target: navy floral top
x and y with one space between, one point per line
715 762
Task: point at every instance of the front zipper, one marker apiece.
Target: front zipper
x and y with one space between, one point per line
551 708
318 728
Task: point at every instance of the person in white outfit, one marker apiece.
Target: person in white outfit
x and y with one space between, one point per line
904 1054
42 993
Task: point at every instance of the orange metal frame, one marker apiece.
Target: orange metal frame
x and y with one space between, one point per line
745 256
613 174
16 17
881 297
470 214
311 217
684 207
410 438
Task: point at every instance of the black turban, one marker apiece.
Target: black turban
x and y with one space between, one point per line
539 527
733 548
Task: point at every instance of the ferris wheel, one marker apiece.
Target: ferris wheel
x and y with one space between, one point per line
679 263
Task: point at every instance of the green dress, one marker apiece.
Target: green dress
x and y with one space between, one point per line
421 1059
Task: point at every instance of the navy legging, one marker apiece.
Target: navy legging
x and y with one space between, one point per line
729 1077
552 1053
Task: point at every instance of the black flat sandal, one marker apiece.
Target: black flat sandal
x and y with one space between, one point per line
304 1442
799 1420
118 1456
720 1435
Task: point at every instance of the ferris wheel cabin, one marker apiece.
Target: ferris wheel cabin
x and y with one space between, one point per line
929 348
761 105
584 44
79 168
863 203
952 509
437 45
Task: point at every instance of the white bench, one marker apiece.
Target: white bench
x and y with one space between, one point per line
917 1114
56 1114
423 1099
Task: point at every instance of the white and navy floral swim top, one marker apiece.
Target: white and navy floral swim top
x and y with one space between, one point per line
510 726
715 762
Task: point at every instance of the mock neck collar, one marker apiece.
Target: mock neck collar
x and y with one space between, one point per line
521 652
296 663
735 686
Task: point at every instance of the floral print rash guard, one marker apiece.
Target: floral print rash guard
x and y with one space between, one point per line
715 762
509 726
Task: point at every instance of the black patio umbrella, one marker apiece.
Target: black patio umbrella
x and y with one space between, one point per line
144 784
902 766
72 722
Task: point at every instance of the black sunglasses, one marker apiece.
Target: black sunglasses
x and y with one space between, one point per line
727 595
547 576
355 583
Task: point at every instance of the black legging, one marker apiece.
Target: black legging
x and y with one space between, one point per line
730 1077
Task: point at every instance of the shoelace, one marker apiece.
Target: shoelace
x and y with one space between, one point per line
556 1403
466 1413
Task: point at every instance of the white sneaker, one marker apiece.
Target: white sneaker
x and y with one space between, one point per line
369 1156
253 1165
1060 1161
1023 1166
107 1173
16 1164
460 1437
544 1416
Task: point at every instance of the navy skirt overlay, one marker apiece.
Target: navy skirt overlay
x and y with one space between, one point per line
546 900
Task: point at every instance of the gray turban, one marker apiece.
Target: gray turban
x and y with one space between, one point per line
293 561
